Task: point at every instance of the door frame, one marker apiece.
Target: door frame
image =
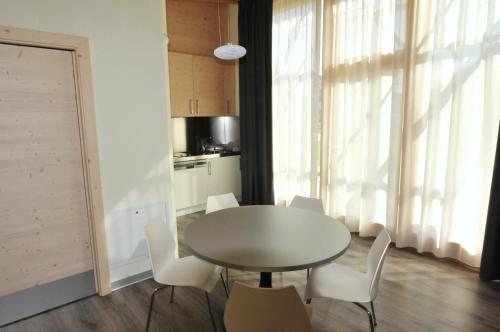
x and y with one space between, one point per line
79 46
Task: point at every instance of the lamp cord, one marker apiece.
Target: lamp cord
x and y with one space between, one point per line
218 14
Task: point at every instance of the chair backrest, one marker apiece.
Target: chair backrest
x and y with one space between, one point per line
220 202
313 204
376 257
161 244
251 309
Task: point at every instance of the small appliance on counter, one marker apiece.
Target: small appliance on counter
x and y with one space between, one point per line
195 140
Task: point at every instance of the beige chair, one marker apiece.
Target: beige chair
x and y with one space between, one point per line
252 309
340 282
169 270
307 203
220 202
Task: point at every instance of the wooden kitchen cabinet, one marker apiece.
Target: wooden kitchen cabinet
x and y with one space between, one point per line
193 26
180 69
201 86
208 80
230 89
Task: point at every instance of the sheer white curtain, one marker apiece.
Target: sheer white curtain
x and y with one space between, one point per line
363 107
296 98
450 130
410 119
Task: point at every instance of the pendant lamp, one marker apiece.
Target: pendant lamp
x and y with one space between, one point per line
228 51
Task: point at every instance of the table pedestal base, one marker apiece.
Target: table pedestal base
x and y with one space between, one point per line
266 280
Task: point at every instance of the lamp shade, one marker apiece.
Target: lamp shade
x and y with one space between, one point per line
230 52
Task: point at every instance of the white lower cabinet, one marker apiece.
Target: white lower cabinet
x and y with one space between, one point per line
192 186
224 176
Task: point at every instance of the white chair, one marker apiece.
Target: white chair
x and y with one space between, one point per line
254 309
342 283
171 271
221 202
307 203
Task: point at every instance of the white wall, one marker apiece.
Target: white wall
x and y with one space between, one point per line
128 55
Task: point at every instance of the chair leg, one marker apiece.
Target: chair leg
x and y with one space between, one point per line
172 295
370 316
151 302
224 285
373 312
308 274
210 312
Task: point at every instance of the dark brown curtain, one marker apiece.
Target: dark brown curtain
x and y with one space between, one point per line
255 32
490 260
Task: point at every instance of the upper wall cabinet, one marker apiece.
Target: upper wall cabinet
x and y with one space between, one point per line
180 68
208 81
193 26
231 89
200 84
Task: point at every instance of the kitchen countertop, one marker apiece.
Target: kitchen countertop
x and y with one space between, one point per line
202 157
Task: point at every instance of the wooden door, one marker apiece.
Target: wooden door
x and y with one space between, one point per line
180 68
44 222
208 86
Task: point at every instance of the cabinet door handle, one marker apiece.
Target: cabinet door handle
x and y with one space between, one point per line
197 110
209 168
190 106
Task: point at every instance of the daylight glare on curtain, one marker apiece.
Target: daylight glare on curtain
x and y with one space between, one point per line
296 98
410 120
450 130
363 105
409 115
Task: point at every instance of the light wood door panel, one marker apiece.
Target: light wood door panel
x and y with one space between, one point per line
208 86
44 228
180 68
193 29
37 93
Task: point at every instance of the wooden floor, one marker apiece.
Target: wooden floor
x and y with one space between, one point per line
416 294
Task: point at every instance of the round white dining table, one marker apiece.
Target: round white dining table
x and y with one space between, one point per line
266 239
